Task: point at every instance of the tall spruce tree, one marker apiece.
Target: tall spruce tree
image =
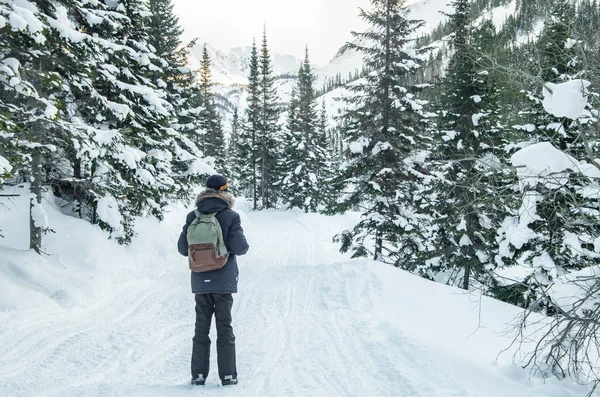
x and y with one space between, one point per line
164 32
234 135
384 126
325 170
268 132
245 160
212 139
474 185
178 81
306 154
459 236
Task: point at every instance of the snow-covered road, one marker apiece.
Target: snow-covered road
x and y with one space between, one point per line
308 322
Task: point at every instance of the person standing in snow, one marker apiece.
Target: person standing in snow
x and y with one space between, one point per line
213 289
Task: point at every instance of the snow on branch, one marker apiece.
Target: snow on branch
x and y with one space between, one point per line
567 99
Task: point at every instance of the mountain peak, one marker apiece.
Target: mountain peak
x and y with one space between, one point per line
230 66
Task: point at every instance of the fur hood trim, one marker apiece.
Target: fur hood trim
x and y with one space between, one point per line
212 193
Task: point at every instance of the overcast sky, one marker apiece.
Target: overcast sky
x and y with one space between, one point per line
323 25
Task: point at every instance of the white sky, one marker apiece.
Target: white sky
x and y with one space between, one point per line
323 25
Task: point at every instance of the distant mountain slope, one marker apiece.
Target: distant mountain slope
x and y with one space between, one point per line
230 67
347 61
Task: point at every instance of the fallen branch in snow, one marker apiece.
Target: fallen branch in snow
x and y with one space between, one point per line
567 342
10 195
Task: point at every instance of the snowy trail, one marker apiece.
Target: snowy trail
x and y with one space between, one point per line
305 319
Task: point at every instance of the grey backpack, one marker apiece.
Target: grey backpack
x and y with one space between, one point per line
206 247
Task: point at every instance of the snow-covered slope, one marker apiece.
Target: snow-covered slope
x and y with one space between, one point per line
92 318
348 61
230 67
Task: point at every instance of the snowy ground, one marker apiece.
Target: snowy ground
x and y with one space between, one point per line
95 319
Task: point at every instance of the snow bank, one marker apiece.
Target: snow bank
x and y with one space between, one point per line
468 333
80 263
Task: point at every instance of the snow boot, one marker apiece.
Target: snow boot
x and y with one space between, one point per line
198 380
229 381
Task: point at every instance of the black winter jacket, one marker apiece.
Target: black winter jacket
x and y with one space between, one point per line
224 280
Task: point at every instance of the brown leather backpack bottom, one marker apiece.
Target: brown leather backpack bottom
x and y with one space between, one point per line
203 258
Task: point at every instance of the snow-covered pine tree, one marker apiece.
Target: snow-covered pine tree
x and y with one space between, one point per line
293 140
326 170
164 33
245 160
213 141
469 157
135 177
235 131
306 154
559 219
33 61
384 127
125 168
268 133
232 144
178 81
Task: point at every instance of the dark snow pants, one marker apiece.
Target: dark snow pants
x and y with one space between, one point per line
219 305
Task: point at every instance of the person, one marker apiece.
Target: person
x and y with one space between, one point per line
213 290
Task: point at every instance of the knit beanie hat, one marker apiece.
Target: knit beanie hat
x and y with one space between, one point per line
217 182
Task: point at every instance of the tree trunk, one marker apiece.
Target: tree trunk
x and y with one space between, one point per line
35 232
254 189
77 193
265 198
387 103
467 277
341 143
378 246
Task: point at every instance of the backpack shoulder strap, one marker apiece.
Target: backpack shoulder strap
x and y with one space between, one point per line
202 217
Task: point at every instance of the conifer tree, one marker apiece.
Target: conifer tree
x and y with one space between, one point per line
325 169
475 183
245 160
235 131
93 95
268 133
460 228
558 219
143 120
212 139
306 152
35 62
383 126
178 81
164 32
